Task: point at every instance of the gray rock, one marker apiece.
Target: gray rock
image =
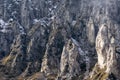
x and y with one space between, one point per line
73 61
59 39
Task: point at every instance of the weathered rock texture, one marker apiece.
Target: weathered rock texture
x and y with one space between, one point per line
59 40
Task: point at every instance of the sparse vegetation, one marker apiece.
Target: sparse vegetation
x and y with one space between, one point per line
7 59
98 74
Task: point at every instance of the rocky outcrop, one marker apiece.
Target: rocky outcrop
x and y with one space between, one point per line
38 34
15 61
73 61
107 45
59 39
51 60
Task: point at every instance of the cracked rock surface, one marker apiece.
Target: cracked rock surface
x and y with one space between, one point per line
59 40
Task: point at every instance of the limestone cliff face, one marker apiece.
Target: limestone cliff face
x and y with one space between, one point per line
59 39
73 61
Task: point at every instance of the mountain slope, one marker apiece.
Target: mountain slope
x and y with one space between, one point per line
59 39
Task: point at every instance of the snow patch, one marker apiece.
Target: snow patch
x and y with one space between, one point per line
21 28
75 42
79 49
10 20
81 52
53 17
2 23
4 30
55 7
50 9
36 21
73 23
3 26
43 22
